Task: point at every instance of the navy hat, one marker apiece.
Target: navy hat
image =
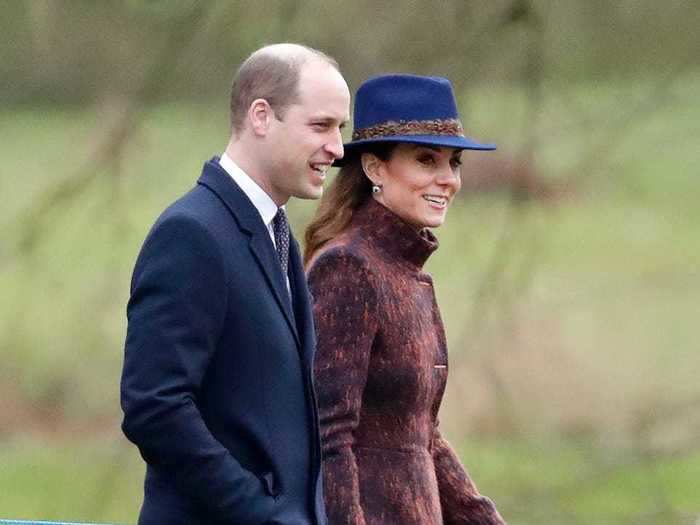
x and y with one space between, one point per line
407 108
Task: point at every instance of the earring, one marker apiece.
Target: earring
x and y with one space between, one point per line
376 188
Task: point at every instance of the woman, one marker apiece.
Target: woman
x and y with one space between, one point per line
381 362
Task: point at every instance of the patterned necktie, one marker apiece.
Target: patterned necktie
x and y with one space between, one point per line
280 226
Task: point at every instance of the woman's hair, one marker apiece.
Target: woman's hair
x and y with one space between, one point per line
348 191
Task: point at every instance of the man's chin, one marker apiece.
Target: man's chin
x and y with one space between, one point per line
311 194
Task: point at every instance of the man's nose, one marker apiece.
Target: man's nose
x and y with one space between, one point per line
335 145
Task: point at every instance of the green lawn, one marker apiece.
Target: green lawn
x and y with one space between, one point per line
573 393
533 482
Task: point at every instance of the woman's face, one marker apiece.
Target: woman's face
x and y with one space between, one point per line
417 182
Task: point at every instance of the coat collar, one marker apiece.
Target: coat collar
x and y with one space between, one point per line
246 215
391 235
222 184
262 201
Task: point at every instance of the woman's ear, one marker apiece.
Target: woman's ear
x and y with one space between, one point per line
260 115
371 165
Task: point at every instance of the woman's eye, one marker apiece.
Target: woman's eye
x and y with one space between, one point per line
456 163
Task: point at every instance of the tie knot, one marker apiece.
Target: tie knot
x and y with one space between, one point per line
280 219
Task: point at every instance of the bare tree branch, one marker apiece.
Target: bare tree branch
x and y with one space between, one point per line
36 221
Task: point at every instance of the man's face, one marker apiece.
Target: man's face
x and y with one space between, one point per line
305 143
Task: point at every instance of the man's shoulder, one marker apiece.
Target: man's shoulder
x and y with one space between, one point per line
193 218
194 202
199 204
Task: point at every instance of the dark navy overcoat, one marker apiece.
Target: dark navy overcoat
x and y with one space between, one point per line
217 388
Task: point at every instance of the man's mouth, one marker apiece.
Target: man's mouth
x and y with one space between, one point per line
320 168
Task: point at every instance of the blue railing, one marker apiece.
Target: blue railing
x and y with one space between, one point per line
21 522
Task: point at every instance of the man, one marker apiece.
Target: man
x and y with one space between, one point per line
217 387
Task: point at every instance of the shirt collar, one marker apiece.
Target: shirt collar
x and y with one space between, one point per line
262 201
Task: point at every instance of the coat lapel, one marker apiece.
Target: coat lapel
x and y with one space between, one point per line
217 180
302 303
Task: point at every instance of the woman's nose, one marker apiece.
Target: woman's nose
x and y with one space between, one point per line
449 176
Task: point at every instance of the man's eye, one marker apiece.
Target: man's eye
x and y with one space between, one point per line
456 163
426 159
319 125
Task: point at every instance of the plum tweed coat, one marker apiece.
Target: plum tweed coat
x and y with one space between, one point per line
381 369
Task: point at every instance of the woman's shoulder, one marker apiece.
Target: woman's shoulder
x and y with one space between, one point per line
342 254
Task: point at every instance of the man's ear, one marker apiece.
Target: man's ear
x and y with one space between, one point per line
371 166
260 115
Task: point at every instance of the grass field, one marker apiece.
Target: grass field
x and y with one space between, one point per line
573 393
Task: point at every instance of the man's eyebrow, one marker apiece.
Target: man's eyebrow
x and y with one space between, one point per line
327 119
324 118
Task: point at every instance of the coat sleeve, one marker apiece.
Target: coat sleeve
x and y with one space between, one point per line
460 500
344 313
175 315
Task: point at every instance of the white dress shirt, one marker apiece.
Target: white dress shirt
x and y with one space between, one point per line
262 201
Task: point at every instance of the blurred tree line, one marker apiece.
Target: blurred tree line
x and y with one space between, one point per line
77 51
585 76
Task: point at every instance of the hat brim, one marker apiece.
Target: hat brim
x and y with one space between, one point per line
446 141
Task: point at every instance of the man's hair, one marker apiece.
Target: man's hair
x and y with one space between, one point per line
271 73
